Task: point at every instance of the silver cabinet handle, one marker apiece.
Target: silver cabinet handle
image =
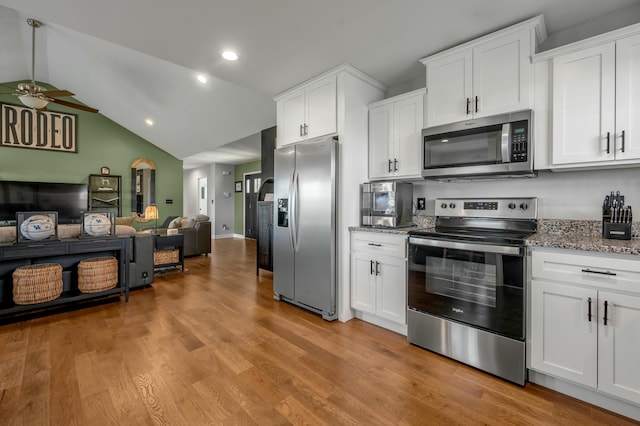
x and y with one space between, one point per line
389 165
468 106
395 164
371 266
301 134
378 271
608 142
591 271
622 141
375 244
306 130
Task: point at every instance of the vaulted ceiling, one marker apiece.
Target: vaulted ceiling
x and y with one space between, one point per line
139 60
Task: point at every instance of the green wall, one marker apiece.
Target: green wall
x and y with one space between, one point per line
101 142
238 211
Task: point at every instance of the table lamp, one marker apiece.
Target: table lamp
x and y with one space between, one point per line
151 212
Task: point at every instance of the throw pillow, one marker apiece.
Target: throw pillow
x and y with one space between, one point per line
124 230
175 223
188 223
7 234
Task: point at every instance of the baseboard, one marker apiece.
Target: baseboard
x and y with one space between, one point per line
238 236
217 237
382 322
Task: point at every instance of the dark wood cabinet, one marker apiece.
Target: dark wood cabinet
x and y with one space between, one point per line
265 236
67 253
105 193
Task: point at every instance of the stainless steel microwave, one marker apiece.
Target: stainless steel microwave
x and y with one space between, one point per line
487 147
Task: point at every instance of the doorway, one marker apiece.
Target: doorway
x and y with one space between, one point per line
202 196
252 183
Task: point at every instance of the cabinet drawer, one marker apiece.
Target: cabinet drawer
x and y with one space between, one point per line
379 243
31 250
588 269
96 245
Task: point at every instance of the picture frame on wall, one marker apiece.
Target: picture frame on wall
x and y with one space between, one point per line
238 186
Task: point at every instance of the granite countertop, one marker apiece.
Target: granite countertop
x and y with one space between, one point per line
384 230
583 235
585 243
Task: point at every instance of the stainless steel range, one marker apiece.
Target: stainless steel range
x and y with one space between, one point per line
467 276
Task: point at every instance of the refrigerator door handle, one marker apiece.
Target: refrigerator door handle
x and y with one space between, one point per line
294 213
290 212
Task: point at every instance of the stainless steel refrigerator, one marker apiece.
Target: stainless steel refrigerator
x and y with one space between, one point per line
304 236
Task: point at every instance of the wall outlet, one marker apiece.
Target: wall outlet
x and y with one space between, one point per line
420 205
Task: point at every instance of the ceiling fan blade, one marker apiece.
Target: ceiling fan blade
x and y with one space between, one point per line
72 105
56 93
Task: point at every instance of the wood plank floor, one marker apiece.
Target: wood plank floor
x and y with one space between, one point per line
211 346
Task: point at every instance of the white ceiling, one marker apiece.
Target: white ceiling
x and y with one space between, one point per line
138 60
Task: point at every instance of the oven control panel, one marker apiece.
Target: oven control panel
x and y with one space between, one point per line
510 208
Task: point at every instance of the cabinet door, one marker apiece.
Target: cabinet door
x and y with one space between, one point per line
391 286
290 118
563 340
407 119
380 141
449 87
501 74
321 108
363 283
628 98
583 106
618 343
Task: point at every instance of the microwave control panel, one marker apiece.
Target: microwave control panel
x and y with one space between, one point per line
519 141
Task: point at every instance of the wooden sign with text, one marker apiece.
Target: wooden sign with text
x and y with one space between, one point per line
22 127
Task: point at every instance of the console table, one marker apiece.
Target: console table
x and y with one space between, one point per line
166 242
67 253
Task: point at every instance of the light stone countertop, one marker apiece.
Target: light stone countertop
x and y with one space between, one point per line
384 230
585 243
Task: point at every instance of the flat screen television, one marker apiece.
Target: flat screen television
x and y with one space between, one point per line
68 199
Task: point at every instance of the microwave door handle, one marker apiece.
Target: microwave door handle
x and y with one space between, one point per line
505 145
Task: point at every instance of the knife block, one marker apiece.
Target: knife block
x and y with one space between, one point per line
615 231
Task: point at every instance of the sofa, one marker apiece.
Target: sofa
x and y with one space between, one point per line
196 229
141 250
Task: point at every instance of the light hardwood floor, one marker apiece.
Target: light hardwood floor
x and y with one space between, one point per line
211 346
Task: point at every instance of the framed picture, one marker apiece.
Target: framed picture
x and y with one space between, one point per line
105 170
238 186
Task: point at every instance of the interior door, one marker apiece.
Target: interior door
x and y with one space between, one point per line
252 186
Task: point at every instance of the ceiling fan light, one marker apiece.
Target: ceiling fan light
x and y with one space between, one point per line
33 102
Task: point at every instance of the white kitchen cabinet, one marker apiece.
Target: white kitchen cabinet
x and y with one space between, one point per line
395 128
585 320
596 102
487 76
379 275
308 112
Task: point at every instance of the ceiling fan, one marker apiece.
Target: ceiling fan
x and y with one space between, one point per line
37 97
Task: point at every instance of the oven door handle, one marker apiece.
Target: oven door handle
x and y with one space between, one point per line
458 245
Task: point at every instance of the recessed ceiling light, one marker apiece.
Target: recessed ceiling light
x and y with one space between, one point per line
149 121
202 78
229 55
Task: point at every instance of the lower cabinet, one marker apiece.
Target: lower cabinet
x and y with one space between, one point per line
585 320
379 275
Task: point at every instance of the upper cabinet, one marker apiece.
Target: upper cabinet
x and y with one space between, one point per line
308 111
596 96
487 76
395 127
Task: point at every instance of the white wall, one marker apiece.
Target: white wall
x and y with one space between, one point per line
221 181
561 195
190 190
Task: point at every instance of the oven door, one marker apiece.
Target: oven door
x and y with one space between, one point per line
481 285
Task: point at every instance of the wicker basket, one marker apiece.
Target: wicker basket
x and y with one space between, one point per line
162 257
37 283
97 274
